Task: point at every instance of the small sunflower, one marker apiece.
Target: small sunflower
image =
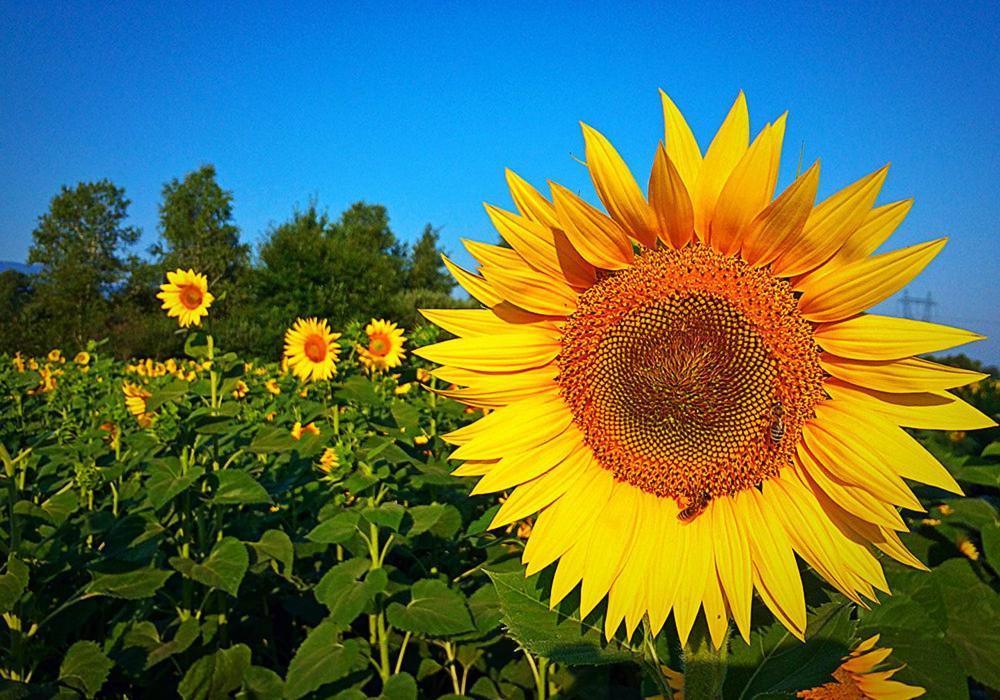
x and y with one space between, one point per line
273 387
18 362
857 679
186 297
56 356
687 388
385 346
298 430
135 401
240 390
329 460
82 358
311 349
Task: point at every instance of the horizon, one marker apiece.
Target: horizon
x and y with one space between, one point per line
422 113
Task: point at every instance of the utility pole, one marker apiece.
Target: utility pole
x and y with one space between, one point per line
916 308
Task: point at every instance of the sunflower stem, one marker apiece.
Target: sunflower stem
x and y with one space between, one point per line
704 664
651 665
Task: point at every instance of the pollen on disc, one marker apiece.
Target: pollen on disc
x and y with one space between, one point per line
677 368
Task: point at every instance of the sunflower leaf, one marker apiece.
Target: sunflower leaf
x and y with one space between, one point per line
558 634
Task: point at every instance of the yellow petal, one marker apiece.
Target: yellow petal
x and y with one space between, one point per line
539 378
470 322
725 151
873 337
776 573
829 226
617 188
771 231
511 351
548 419
530 201
680 143
898 376
670 562
876 229
518 467
600 240
608 546
522 285
670 201
732 558
559 526
497 398
748 190
698 565
475 285
716 611
930 410
862 284
530 497
530 239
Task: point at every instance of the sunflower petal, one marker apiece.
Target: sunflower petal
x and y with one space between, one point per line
725 151
670 201
530 201
548 419
873 337
930 410
601 241
532 496
519 466
617 188
472 322
608 546
475 285
830 226
861 285
510 352
680 143
732 557
748 190
898 376
782 221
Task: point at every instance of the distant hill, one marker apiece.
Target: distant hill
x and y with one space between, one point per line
20 267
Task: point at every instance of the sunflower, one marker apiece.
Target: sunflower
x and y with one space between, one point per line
82 358
311 350
687 388
186 297
56 356
385 346
329 460
135 402
298 430
857 679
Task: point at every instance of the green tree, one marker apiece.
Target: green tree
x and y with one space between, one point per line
424 267
197 229
80 244
16 294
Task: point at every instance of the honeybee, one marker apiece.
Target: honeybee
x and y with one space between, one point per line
777 424
694 508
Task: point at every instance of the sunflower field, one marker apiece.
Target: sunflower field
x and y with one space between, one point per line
672 455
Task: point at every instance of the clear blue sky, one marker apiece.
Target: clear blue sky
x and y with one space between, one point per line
421 109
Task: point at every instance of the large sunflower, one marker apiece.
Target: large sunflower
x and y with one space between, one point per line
687 387
385 346
311 349
858 679
185 296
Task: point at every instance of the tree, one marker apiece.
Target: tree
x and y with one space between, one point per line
424 268
196 225
80 243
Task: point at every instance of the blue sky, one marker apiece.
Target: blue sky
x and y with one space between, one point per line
421 109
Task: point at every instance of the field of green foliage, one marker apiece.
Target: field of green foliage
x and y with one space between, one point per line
241 534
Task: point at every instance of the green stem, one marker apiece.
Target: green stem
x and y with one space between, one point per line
704 665
402 651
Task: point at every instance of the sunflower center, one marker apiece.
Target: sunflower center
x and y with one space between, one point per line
690 373
315 348
378 345
191 296
845 688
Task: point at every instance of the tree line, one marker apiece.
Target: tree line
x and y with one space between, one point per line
91 284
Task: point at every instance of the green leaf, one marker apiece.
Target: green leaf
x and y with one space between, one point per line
239 487
61 506
983 474
165 481
12 583
560 634
342 591
275 546
337 530
262 683
357 389
132 585
991 544
145 636
321 659
165 394
777 662
406 415
438 519
224 567
270 439
992 450
216 675
85 668
388 515
434 610
402 686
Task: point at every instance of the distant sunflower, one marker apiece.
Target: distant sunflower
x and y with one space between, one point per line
186 297
857 679
311 349
385 346
329 460
687 387
82 358
135 401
